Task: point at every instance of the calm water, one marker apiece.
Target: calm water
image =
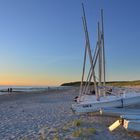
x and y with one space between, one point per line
29 88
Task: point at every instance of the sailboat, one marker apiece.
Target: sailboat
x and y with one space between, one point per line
96 95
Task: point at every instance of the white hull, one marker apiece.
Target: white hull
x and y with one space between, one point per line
120 112
132 125
131 100
131 117
90 104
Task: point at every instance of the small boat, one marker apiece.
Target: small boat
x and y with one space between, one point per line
93 97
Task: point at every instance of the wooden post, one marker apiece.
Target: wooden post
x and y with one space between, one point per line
115 125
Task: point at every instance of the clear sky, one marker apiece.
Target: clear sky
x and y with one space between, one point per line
42 41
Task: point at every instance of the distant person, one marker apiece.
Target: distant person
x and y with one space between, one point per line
48 88
11 89
8 90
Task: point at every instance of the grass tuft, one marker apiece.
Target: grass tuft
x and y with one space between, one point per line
84 132
77 123
77 133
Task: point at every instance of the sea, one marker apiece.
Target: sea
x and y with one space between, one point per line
4 89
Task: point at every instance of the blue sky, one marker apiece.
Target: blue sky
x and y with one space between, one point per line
42 41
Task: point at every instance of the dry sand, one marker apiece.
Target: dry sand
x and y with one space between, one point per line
48 115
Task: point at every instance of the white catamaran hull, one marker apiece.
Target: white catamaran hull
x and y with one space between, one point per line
109 101
130 99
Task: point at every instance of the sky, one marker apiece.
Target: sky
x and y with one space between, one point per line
42 41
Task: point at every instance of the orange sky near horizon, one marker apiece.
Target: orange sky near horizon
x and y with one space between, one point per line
27 80
34 79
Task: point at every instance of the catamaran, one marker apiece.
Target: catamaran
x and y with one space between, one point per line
96 95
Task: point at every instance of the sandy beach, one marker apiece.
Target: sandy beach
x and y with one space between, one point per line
47 115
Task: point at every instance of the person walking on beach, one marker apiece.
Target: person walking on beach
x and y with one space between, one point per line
11 89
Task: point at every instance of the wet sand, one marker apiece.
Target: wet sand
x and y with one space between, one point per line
48 115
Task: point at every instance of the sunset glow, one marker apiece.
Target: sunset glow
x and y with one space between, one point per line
42 42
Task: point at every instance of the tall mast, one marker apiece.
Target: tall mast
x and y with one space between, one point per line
104 72
95 57
81 86
89 77
100 57
89 51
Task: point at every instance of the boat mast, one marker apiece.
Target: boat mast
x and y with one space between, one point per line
89 77
100 57
102 36
81 86
89 51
